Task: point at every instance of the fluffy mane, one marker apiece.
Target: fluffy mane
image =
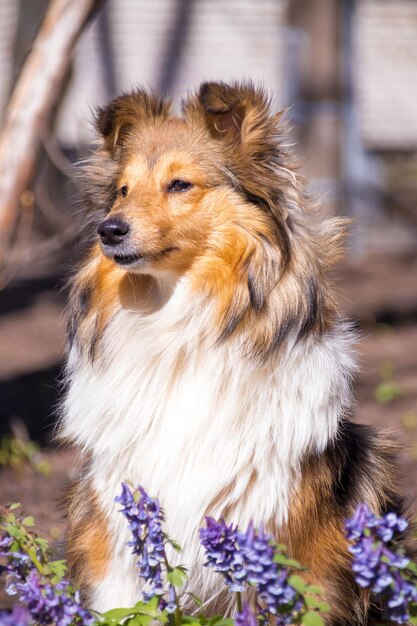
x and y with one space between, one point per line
269 272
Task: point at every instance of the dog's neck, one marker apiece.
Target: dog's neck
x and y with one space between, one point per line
147 294
151 363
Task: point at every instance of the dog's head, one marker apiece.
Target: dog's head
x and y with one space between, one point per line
176 180
214 195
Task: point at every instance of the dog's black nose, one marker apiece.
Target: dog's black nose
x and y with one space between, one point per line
112 231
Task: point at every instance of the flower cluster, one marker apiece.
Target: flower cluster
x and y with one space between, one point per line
52 604
376 565
248 558
18 617
219 541
49 599
17 565
145 519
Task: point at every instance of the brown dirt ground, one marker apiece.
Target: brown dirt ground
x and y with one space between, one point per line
381 294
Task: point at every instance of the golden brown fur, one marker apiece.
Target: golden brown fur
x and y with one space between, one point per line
357 467
251 242
88 550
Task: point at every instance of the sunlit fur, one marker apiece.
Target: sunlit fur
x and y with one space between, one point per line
216 372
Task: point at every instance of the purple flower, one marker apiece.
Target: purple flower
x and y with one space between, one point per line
5 542
376 565
46 603
384 527
145 518
17 565
219 542
17 569
52 604
248 559
171 605
18 617
362 518
246 617
390 524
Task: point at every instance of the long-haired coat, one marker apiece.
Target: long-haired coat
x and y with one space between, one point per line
208 360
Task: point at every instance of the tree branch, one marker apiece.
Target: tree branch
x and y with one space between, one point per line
34 97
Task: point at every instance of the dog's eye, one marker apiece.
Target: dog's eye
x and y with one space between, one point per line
179 185
123 191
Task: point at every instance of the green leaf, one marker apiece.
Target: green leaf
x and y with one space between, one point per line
149 608
298 583
115 615
412 567
15 531
138 620
220 621
28 521
15 547
314 603
15 505
190 620
163 617
312 619
42 543
314 589
58 568
281 559
177 576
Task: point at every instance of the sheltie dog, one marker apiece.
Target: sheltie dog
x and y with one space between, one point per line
208 360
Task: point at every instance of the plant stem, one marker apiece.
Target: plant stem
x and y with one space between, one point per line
239 601
178 612
30 552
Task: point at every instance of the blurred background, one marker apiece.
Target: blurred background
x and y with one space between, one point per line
346 71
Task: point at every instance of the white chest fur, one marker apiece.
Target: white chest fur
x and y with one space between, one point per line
202 427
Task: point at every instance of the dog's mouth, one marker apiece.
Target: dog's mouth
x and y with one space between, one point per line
131 260
128 259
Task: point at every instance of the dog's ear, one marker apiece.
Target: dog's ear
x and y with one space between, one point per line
238 113
125 113
239 117
224 109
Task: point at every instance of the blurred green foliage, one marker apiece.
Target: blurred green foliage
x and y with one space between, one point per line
17 454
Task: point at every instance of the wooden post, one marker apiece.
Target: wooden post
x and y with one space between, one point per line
321 89
36 92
